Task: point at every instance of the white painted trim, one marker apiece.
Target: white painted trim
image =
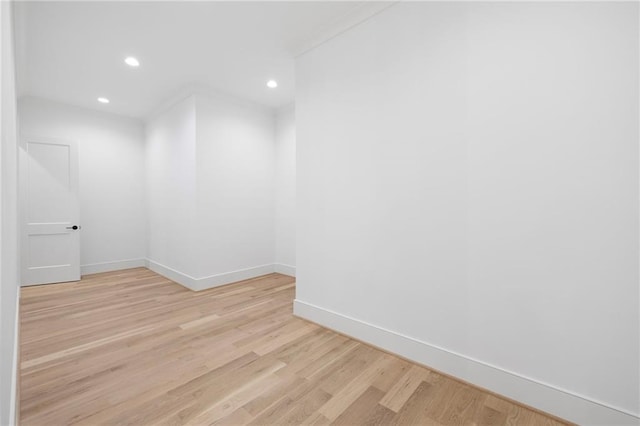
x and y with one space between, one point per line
198 89
13 420
283 269
352 18
233 276
176 276
211 281
548 398
116 265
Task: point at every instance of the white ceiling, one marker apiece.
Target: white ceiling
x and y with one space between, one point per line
73 52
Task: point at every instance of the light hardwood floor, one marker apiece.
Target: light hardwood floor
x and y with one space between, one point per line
132 347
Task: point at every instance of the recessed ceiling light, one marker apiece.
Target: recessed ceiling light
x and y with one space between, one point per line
272 84
132 62
103 100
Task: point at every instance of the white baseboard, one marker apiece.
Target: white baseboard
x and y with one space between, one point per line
176 276
204 283
96 268
13 413
233 276
192 283
283 269
545 397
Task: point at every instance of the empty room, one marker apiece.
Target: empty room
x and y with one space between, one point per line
417 213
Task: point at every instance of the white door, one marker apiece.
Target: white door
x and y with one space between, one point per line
50 225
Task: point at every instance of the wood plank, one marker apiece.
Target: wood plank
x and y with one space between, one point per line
366 410
352 391
404 388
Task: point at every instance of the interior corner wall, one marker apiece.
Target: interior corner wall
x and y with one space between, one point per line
9 272
235 187
171 192
468 196
210 185
285 232
111 167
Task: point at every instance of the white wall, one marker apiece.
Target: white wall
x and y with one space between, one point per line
111 166
468 188
8 221
235 178
210 166
286 190
197 199
171 188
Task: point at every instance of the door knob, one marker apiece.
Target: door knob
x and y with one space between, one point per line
74 227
